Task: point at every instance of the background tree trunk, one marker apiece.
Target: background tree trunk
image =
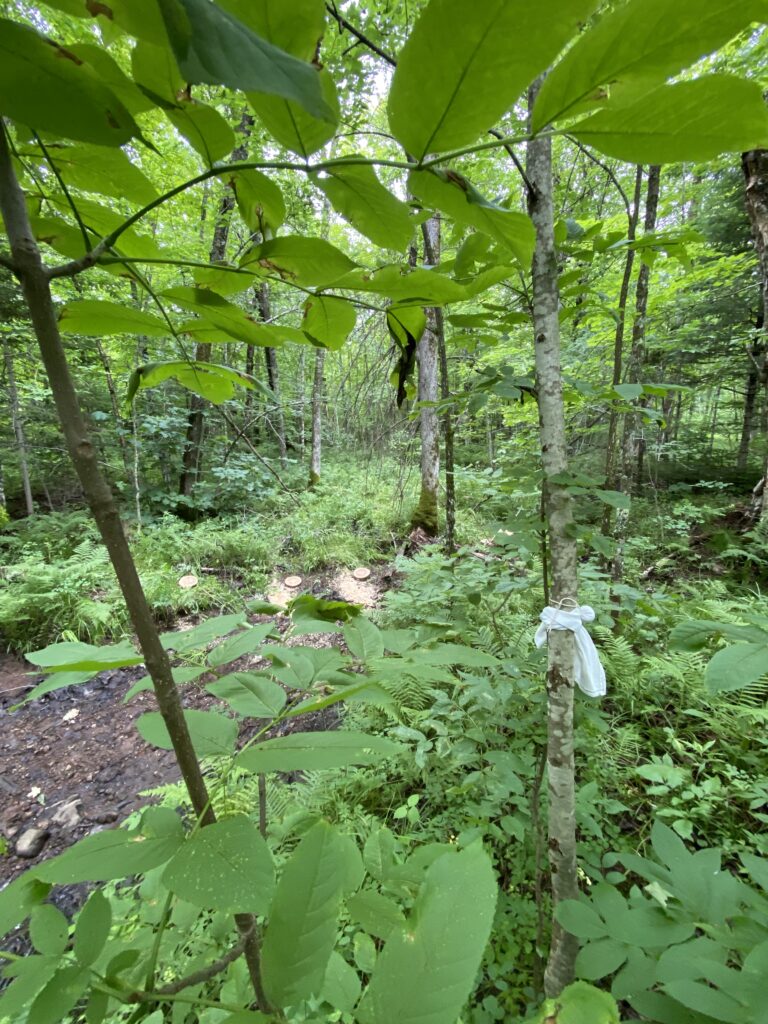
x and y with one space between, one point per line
317 419
755 167
17 423
425 516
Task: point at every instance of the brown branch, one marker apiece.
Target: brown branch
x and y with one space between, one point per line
595 160
241 435
197 977
344 24
513 156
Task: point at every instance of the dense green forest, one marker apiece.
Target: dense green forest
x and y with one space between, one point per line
384 429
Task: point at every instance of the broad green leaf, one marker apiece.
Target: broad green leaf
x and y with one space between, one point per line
452 193
246 641
102 169
736 666
692 636
312 751
18 898
310 262
580 1003
598 959
212 734
454 654
59 996
216 383
92 929
249 694
463 68
182 674
642 39
401 282
226 866
669 847
303 919
328 322
688 121
358 195
99 318
56 681
629 392
117 853
213 47
341 987
183 641
427 969
406 324
226 316
290 124
29 975
204 129
296 26
702 998
360 691
140 18
48 930
112 75
379 854
376 913
580 920
364 639
75 656
259 201
47 87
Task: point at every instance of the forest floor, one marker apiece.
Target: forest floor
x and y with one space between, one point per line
72 763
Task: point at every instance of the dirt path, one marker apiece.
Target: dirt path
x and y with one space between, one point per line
72 761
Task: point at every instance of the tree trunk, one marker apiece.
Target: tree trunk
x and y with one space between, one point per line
273 378
632 447
755 167
618 348
432 252
17 422
37 293
562 548
115 403
317 416
192 459
425 515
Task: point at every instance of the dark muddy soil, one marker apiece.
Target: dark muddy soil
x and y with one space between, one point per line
72 761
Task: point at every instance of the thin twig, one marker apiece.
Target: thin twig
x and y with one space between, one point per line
596 160
65 190
262 460
513 156
205 973
343 23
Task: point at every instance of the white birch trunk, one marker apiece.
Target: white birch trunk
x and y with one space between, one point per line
317 420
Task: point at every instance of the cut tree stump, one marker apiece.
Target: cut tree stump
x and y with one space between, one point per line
187 582
362 573
293 581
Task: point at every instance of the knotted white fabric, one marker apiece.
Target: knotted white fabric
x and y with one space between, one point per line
589 673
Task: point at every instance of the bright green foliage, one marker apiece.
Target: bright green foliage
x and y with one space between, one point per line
328 322
216 383
301 933
259 201
316 750
117 853
47 88
212 734
426 969
304 261
451 193
358 195
93 926
469 71
212 46
91 316
249 694
638 45
691 120
226 866
48 930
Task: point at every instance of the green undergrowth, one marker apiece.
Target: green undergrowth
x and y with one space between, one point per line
55 578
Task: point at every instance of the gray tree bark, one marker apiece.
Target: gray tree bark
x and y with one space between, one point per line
559 971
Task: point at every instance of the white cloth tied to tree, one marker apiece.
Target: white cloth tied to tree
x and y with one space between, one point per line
589 673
